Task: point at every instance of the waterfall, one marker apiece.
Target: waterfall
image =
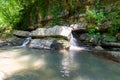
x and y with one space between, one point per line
25 42
73 41
74 45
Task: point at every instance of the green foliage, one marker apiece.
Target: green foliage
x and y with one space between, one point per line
94 18
113 15
113 30
108 38
9 13
56 10
20 14
93 32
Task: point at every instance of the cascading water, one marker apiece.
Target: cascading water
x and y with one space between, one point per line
73 41
74 45
25 42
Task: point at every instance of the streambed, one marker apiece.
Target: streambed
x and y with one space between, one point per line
33 64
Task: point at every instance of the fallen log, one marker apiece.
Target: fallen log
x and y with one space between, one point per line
111 44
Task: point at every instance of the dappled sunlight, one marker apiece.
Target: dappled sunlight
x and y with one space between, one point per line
28 61
14 60
32 64
68 64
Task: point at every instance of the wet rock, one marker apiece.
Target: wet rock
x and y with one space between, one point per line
56 31
3 43
15 41
60 44
41 43
53 44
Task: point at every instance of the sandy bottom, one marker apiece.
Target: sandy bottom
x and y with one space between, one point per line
11 62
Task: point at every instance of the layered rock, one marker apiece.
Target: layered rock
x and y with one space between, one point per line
55 38
56 31
20 33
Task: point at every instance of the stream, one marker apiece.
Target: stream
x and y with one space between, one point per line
33 64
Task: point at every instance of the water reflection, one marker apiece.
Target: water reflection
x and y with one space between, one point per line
68 64
54 65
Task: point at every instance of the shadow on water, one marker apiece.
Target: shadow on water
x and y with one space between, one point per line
54 65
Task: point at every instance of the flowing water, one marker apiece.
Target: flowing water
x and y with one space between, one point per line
32 64
24 44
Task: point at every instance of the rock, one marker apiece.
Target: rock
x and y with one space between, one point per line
84 36
78 26
60 44
98 48
111 44
4 43
56 31
41 43
15 41
21 33
53 44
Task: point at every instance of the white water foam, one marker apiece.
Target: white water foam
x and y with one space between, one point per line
25 42
74 44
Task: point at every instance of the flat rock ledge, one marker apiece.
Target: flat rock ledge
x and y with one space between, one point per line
56 31
53 32
53 38
21 33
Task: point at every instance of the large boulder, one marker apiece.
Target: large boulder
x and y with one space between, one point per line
41 43
56 31
52 44
60 45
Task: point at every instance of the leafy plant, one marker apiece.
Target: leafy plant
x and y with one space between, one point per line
113 15
9 14
108 38
94 18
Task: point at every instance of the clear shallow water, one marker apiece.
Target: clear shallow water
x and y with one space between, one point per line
54 65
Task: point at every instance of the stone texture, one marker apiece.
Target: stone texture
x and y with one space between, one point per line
60 45
83 36
41 43
56 31
21 33
4 43
98 48
53 44
15 41
78 26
